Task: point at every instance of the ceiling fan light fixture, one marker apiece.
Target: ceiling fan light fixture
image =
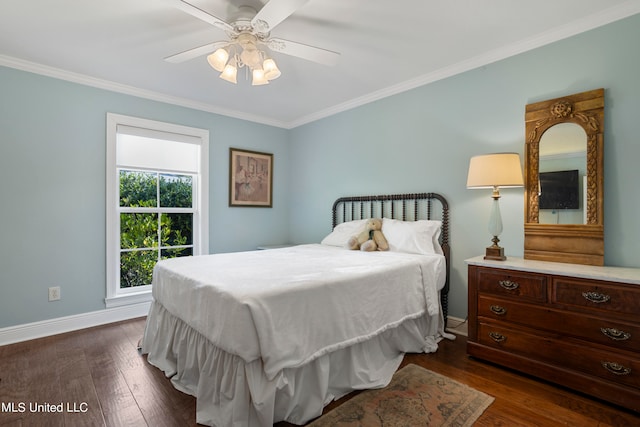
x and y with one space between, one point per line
230 72
249 41
218 59
254 59
259 78
251 57
271 70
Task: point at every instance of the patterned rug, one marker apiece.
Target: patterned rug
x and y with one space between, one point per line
414 397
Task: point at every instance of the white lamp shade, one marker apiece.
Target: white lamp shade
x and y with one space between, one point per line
270 68
218 59
259 78
229 73
495 170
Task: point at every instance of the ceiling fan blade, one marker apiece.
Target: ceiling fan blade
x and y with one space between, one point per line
195 52
274 12
203 16
299 50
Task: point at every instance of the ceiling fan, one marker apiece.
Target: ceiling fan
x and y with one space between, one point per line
249 42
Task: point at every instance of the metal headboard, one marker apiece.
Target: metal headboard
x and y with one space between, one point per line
406 207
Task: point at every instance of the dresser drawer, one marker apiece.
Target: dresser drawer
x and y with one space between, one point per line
532 287
621 368
615 334
596 296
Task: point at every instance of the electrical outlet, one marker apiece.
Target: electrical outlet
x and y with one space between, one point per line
54 293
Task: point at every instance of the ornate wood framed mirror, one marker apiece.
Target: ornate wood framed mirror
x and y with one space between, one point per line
564 193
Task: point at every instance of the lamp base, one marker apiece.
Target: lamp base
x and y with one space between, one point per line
495 253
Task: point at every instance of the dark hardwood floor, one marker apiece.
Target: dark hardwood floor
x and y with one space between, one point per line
100 379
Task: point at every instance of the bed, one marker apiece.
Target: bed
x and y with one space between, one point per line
275 335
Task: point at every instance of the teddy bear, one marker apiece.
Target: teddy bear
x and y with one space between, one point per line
371 238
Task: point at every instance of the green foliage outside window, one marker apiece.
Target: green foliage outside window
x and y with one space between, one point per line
147 237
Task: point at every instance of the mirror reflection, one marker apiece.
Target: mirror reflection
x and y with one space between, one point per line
562 175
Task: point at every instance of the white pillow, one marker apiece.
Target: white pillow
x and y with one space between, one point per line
342 232
415 237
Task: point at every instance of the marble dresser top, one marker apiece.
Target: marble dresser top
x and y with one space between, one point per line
606 273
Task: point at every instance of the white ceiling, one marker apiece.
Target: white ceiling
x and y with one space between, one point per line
386 47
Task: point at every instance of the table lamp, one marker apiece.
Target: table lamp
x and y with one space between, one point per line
495 171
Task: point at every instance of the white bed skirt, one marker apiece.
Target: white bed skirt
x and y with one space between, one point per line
232 392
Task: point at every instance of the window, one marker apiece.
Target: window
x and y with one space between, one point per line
157 186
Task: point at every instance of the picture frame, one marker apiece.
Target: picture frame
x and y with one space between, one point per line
250 178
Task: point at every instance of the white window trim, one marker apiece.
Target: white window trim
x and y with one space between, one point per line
114 295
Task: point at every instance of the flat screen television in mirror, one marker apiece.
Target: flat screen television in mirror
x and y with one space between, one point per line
559 190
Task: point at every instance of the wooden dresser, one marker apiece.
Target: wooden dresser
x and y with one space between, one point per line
574 325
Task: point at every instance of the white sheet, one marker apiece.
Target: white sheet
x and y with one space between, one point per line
254 304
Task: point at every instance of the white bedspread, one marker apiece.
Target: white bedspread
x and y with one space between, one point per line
289 306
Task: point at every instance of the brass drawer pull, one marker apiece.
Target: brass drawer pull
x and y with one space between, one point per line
497 337
596 297
499 310
616 334
616 368
509 285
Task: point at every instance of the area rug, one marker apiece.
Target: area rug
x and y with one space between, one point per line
414 397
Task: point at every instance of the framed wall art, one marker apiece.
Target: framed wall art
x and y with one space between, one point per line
250 178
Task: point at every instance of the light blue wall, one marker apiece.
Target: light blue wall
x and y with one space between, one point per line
52 165
52 192
421 140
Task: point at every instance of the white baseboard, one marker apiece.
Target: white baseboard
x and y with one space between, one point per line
45 328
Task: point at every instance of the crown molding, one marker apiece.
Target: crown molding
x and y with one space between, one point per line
600 19
85 80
